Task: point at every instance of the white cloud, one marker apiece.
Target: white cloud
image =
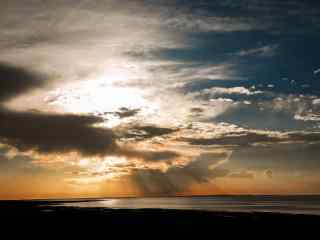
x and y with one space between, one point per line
265 51
188 73
221 93
233 90
316 71
302 107
221 100
307 117
193 23
316 101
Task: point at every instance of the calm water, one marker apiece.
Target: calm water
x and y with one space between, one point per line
284 204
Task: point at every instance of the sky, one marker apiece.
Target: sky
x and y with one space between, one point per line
159 98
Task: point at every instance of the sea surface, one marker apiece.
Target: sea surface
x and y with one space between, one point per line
278 204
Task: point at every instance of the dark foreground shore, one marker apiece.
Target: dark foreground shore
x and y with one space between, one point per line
48 216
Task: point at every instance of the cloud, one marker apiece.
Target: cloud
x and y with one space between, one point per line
201 23
158 155
215 93
126 112
238 139
302 107
305 136
51 133
280 113
55 133
242 174
221 100
190 62
307 117
316 101
44 132
265 51
269 173
177 179
196 110
234 90
122 113
230 135
297 156
142 132
13 166
15 80
186 69
35 36
150 155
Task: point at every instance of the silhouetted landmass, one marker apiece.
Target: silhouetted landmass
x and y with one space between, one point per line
183 219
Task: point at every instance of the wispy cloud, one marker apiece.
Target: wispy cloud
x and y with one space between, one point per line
316 71
265 51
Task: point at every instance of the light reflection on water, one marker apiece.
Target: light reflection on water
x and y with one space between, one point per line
284 204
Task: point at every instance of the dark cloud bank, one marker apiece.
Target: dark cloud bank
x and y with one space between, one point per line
15 81
55 133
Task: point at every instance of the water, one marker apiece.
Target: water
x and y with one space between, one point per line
279 204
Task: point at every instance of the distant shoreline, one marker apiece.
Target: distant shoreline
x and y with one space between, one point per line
42 208
85 199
